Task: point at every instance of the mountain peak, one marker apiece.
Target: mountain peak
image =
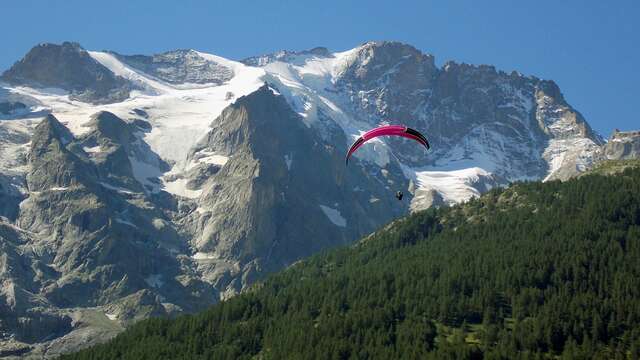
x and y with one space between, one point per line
69 67
51 128
393 48
387 44
110 126
67 45
375 59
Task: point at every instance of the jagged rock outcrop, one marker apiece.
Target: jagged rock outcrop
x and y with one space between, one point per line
623 145
114 147
14 140
24 314
68 67
52 164
179 67
10 196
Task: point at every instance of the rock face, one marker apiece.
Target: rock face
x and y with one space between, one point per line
286 56
282 194
14 148
222 172
8 107
623 145
87 236
472 114
68 67
179 67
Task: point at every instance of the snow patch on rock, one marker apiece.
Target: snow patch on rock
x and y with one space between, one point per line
334 216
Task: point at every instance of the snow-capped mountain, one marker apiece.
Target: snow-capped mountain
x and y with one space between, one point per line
134 186
486 127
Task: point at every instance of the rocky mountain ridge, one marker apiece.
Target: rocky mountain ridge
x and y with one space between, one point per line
71 68
623 145
179 67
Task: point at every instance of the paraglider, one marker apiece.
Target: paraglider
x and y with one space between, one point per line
388 130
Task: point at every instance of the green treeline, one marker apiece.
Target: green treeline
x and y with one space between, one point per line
538 270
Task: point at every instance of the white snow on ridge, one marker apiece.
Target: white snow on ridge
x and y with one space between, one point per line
214 159
334 216
91 150
61 188
151 86
207 157
454 186
308 82
179 187
622 139
179 114
145 173
116 188
204 256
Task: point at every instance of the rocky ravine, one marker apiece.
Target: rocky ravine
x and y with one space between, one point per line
156 185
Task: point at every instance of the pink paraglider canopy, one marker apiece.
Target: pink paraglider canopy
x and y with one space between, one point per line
388 130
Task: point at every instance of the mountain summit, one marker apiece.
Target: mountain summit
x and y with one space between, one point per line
69 67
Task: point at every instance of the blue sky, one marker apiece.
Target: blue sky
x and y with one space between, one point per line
590 48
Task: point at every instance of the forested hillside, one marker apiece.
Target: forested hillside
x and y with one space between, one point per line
538 270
